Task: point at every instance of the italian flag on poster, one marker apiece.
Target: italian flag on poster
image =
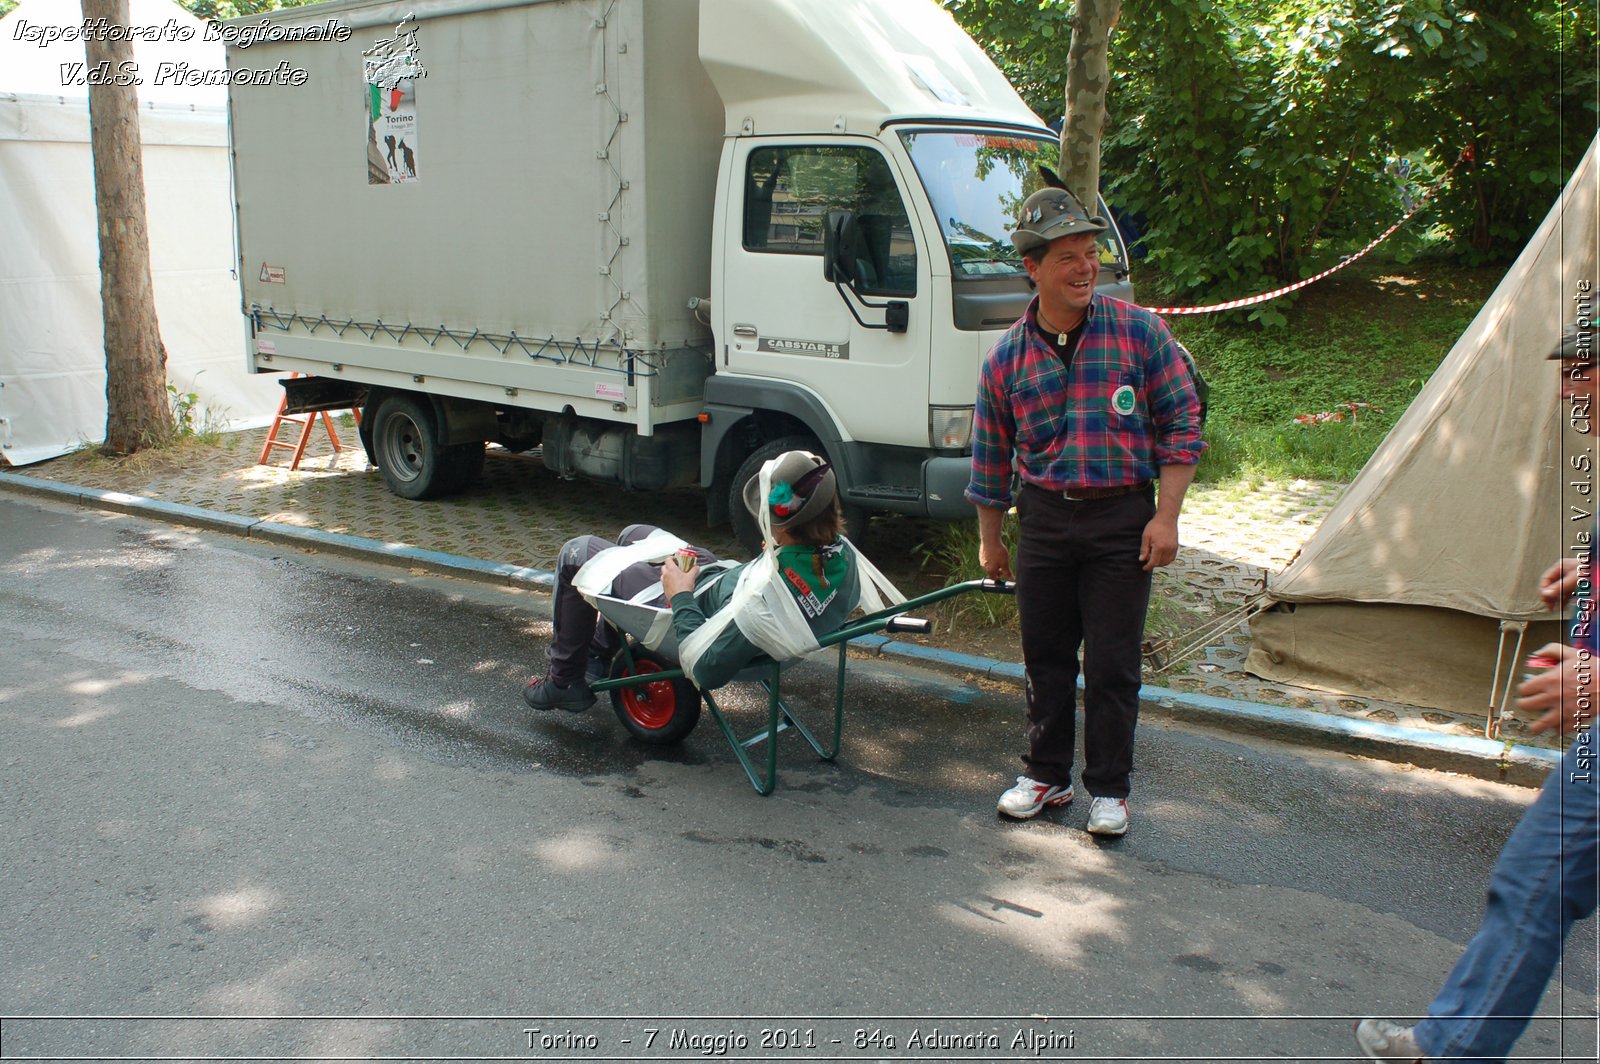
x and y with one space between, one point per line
391 68
392 145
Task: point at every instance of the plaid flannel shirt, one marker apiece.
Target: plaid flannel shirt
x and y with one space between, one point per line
1063 426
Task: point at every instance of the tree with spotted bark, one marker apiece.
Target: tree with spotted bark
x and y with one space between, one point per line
1088 82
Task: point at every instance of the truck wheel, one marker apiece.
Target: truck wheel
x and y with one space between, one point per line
745 527
405 441
659 712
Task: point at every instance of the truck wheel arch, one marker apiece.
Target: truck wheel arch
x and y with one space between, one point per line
451 429
460 421
743 415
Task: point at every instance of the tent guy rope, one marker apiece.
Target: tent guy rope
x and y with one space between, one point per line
1265 297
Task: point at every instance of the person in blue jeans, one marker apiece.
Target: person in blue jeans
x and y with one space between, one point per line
1546 878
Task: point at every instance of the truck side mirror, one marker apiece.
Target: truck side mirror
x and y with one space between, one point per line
841 248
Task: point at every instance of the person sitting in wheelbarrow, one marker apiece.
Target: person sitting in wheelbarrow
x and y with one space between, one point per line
795 500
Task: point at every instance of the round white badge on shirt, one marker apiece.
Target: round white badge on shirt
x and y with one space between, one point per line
1123 400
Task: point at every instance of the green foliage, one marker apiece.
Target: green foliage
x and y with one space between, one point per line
1240 451
1373 335
1515 83
190 418
1259 141
184 408
951 553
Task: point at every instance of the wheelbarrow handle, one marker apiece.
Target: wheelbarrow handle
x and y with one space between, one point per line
999 587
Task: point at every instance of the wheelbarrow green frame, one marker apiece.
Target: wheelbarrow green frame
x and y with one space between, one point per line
768 672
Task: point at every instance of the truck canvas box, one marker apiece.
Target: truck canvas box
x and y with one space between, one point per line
661 240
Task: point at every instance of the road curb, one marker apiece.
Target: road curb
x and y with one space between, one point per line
1483 758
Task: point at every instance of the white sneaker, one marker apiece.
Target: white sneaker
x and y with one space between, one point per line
1029 796
1108 816
1382 1040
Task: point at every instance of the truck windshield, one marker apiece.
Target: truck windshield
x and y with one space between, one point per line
977 182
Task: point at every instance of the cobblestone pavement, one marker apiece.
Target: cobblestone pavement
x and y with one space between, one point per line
521 513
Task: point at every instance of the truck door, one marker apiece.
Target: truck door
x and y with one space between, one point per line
781 320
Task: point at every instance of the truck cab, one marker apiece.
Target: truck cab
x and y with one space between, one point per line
862 264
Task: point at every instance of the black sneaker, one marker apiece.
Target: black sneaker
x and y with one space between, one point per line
545 694
597 669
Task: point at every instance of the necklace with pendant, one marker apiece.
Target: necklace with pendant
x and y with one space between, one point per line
1061 335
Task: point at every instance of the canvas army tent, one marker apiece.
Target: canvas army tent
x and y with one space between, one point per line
1434 553
52 362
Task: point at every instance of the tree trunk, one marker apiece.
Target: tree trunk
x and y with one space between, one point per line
137 412
1088 81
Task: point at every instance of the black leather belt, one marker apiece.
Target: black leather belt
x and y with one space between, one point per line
1092 494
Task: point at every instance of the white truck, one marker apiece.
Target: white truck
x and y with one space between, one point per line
661 240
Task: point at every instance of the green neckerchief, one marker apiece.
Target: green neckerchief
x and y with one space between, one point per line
798 558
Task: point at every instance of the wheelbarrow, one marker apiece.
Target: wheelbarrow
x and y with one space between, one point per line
658 704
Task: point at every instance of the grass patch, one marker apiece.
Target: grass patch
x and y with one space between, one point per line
1372 335
951 554
170 457
1329 451
1166 618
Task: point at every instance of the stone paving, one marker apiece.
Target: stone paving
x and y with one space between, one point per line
521 513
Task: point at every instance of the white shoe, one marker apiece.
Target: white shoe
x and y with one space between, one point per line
1108 816
1382 1040
1029 796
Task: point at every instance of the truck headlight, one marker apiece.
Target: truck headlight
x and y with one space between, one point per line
950 427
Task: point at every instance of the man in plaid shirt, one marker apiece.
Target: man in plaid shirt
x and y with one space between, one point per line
1097 403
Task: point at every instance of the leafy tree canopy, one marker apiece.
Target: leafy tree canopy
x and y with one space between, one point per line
1259 140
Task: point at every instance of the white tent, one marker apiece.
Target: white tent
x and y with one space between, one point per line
52 362
1434 553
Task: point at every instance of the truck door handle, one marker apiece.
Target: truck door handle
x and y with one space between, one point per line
742 329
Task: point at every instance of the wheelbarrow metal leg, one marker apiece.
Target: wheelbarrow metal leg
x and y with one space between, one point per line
763 786
831 751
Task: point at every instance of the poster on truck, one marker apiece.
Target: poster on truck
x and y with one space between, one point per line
391 69
393 134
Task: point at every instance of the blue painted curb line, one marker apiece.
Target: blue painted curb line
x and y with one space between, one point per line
1467 755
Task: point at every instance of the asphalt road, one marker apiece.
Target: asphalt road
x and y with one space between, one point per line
246 781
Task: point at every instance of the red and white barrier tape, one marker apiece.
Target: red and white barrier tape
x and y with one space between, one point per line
1466 153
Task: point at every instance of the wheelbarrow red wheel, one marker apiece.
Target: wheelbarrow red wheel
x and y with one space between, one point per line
654 711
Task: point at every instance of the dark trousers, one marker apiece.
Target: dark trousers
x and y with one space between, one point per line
1080 583
575 633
